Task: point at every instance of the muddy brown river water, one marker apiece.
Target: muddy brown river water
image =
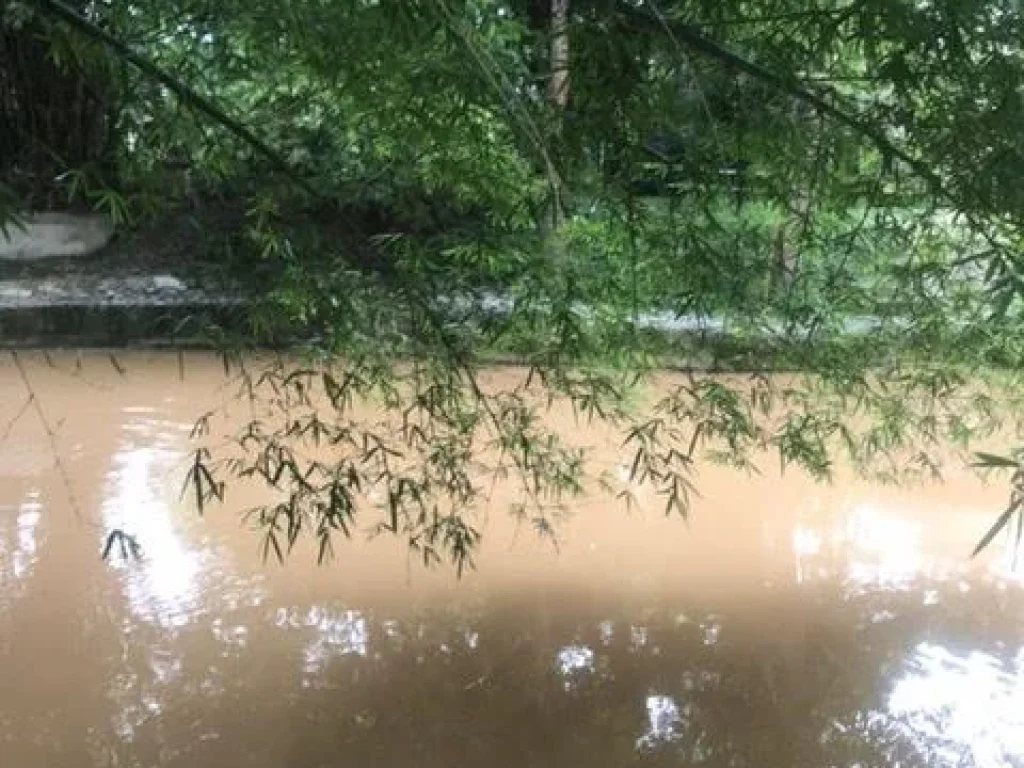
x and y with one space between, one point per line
787 624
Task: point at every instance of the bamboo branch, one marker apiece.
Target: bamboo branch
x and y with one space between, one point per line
185 94
688 36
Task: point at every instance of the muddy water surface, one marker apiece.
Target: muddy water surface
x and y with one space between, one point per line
786 625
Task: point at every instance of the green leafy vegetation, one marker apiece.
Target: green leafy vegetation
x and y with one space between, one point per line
596 190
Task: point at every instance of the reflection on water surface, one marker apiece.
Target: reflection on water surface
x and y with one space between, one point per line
788 625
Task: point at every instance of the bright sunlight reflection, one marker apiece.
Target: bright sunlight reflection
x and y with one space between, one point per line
19 544
340 633
885 551
663 722
572 661
962 709
28 521
872 549
162 588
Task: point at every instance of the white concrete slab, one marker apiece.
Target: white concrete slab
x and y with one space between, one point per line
52 234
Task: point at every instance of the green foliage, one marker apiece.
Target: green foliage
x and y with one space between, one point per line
835 184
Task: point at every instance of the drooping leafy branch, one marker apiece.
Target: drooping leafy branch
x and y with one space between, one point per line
821 187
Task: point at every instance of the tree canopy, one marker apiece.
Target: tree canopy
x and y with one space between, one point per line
417 189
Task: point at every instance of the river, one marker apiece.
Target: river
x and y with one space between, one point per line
786 624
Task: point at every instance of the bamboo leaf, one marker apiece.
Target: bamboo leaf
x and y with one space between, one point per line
999 524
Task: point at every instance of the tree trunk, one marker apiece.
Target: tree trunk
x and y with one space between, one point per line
558 82
558 94
788 240
786 258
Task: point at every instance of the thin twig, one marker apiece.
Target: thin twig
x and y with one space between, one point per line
17 417
51 435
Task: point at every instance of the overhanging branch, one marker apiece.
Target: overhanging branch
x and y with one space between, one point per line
187 95
690 36
685 35
183 92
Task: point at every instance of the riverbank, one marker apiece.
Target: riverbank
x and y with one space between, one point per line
62 284
160 288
